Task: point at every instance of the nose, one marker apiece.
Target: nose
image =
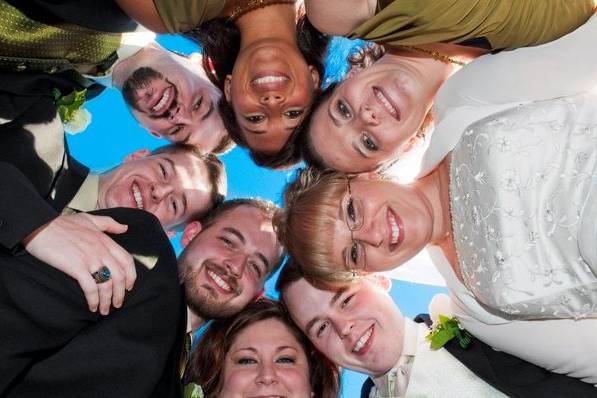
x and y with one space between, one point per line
267 374
180 115
369 115
159 191
343 327
271 98
235 264
371 234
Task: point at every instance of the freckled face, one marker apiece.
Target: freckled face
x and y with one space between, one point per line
266 360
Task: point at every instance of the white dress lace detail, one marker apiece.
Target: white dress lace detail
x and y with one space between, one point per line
519 182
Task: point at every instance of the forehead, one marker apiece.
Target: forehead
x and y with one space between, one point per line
259 335
257 231
306 302
190 170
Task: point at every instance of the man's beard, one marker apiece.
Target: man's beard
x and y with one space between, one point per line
139 79
202 299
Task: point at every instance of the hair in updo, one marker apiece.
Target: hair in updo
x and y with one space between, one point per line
220 40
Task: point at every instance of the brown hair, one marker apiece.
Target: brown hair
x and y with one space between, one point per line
216 172
220 40
304 225
206 366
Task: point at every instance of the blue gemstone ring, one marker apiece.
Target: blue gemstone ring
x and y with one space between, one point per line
102 275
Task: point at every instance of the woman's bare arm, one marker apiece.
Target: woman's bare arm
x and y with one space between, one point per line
338 17
144 12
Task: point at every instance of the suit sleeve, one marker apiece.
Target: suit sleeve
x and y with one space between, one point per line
22 209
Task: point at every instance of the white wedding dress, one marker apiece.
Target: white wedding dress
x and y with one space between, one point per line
520 184
523 129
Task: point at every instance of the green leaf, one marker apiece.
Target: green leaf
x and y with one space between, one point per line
445 330
192 390
69 104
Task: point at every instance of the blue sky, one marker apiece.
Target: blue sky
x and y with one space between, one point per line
114 133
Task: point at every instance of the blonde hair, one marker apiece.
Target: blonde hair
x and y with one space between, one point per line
307 220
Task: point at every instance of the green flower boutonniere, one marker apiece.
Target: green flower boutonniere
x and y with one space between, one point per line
192 390
447 329
70 108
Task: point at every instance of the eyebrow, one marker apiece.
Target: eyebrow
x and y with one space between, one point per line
209 111
336 122
359 150
185 203
333 300
236 233
278 349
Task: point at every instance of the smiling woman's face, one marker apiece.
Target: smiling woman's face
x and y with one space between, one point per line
266 360
371 117
271 89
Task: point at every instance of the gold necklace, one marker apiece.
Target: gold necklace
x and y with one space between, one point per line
434 54
253 5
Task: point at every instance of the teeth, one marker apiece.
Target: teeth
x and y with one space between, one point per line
395 229
137 196
363 340
162 102
269 79
219 281
384 101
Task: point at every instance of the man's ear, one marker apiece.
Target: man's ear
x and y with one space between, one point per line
227 87
141 153
381 281
259 294
314 75
191 230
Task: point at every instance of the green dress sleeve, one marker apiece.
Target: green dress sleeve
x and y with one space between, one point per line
183 15
505 24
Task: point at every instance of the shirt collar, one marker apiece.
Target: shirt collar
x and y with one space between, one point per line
86 197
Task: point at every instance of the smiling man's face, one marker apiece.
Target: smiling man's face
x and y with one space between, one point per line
174 186
357 326
225 266
172 98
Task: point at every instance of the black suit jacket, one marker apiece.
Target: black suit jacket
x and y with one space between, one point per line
51 345
509 374
37 175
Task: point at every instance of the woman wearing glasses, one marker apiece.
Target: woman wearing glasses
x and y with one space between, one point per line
512 206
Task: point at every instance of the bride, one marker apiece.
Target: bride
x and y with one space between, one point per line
512 206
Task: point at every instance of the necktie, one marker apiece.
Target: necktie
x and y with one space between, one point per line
26 38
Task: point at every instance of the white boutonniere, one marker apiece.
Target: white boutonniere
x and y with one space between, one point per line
74 117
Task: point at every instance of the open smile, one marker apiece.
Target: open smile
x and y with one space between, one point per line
161 102
386 102
270 80
395 230
136 191
364 343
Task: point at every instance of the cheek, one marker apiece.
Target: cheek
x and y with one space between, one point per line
236 381
296 380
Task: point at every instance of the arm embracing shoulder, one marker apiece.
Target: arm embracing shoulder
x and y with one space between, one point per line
144 12
339 17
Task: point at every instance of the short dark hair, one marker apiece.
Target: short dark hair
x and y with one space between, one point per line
290 273
268 211
220 40
216 172
206 367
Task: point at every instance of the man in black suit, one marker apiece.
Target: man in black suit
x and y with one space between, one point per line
168 93
359 327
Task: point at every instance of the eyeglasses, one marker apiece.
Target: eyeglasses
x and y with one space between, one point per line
354 256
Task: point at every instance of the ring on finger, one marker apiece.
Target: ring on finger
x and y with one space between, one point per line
102 275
